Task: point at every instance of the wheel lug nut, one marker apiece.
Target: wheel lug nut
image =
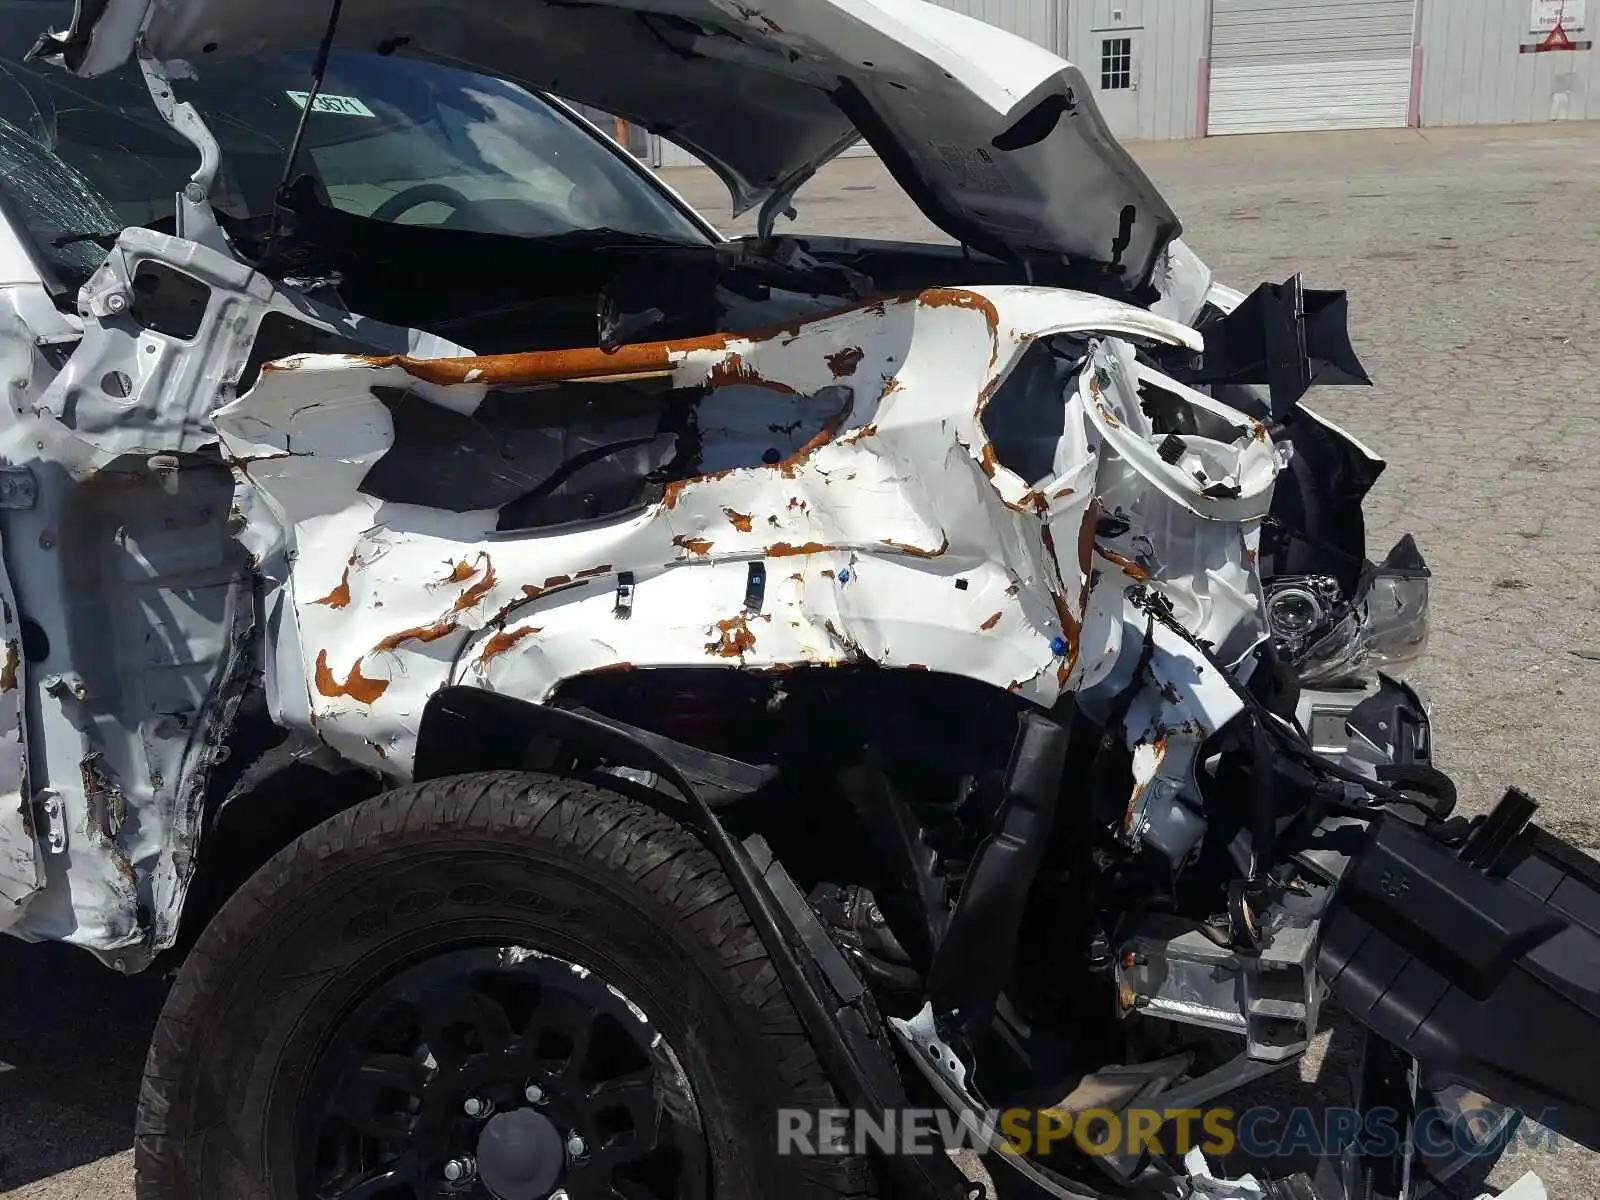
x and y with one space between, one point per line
477 1106
461 1170
576 1146
534 1095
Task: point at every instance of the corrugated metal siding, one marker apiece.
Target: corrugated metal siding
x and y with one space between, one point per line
1285 31
1032 19
1169 83
1295 97
1472 73
1170 40
1292 65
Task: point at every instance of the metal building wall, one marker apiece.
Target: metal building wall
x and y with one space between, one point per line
1473 73
1169 51
1037 20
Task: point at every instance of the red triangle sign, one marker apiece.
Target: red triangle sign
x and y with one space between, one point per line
1557 39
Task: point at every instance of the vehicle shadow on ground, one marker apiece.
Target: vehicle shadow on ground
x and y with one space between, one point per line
73 1037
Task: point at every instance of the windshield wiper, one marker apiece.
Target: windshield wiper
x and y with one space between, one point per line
602 236
68 237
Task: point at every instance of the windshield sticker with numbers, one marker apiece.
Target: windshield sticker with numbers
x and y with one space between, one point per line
347 106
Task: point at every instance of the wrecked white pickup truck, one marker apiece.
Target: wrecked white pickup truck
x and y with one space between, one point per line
567 691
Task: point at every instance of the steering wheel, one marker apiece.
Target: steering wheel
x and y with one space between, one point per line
422 193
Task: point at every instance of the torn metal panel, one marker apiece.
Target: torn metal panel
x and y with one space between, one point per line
21 872
26 318
137 598
166 386
851 444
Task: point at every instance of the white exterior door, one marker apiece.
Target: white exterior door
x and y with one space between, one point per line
1287 65
1113 71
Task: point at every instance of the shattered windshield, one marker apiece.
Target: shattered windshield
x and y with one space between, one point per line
389 138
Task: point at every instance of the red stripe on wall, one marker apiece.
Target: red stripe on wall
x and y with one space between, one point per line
1414 109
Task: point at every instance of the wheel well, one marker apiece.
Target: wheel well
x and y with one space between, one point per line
819 718
277 798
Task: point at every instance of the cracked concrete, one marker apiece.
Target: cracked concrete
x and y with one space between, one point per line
1471 258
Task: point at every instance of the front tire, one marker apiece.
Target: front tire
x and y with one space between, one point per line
463 944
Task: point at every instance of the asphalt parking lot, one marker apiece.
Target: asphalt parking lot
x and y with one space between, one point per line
1471 258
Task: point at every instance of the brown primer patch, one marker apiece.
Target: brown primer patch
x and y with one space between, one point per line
739 520
419 633
1086 532
734 639
503 641
355 685
8 672
555 583
844 362
607 668
340 596
991 622
917 551
1131 568
694 545
477 591
944 297
735 371
785 550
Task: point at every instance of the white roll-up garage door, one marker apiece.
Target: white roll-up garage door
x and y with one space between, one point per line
1285 65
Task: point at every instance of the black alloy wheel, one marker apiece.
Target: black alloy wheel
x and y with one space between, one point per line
500 1072
503 986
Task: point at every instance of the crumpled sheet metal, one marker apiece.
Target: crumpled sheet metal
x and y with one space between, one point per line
864 530
1189 531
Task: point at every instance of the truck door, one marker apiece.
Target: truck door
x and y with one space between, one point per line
19 848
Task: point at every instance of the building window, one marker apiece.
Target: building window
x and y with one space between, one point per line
1116 64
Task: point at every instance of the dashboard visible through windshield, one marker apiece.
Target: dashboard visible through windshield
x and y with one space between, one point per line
389 138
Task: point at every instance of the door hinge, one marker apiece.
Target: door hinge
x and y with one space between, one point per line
53 821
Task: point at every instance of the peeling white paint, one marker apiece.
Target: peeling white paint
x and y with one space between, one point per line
863 530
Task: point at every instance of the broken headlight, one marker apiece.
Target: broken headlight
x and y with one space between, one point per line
1331 639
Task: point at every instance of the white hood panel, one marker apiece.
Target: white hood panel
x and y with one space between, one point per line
996 139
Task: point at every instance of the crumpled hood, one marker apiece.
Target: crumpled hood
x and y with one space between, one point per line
997 140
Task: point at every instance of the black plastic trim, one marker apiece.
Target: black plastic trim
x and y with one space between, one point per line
975 956
1489 980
